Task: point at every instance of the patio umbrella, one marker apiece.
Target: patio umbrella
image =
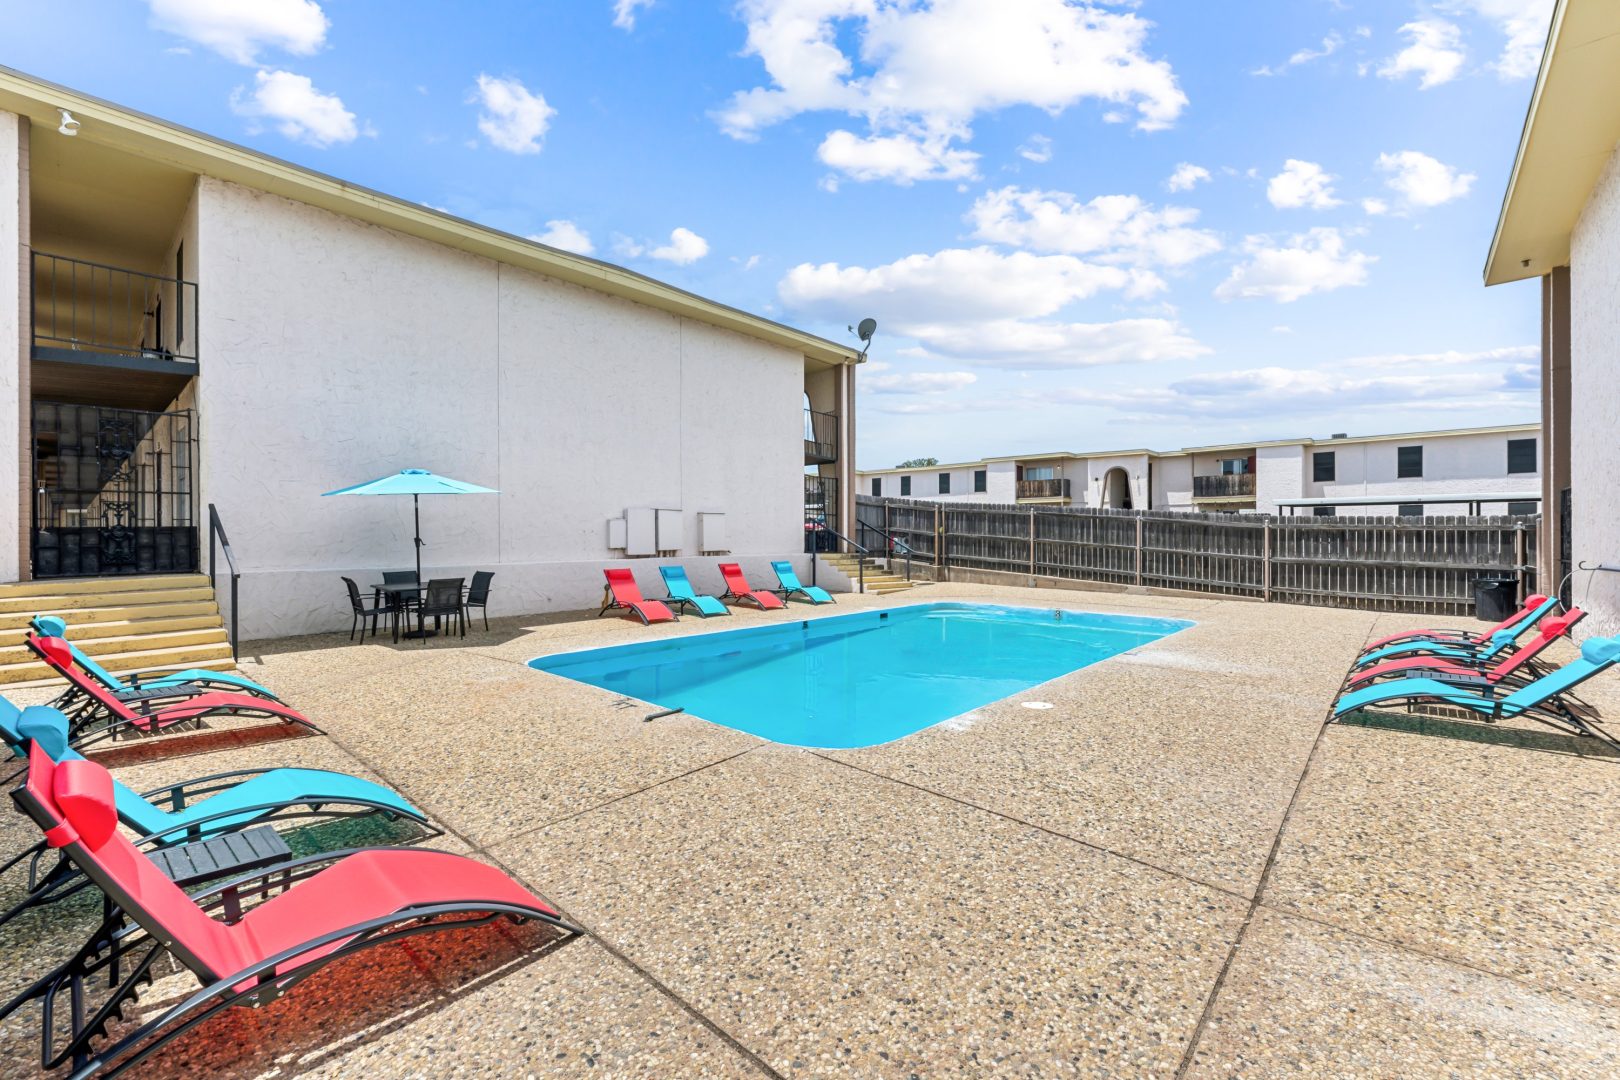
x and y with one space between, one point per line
415 483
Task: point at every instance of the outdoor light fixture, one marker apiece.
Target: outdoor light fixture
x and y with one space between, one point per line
70 126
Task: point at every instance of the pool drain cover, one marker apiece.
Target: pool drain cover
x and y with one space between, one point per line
1036 704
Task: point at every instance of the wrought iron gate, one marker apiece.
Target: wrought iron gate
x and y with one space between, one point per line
112 491
820 509
1566 552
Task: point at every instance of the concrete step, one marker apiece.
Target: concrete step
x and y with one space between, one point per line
102 585
64 603
82 631
48 678
79 619
213 656
104 649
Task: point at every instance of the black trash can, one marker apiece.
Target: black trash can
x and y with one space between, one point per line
1495 598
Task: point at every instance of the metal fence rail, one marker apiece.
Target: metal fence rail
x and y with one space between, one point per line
1375 563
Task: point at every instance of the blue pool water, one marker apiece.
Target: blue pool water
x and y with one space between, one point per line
859 680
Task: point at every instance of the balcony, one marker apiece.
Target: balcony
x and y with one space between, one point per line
820 437
93 313
1225 486
1043 489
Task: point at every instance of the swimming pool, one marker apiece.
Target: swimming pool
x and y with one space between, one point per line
849 681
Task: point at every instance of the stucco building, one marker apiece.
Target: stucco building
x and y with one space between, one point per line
192 324
1560 223
1406 474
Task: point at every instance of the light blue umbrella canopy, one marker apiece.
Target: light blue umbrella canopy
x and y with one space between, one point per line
415 483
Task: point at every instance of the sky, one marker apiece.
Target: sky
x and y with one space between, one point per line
1079 226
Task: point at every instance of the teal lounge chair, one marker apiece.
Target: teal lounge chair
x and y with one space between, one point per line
682 595
1485 648
182 681
788 585
1545 699
195 809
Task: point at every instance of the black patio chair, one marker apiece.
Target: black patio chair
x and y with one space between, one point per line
362 613
478 595
441 599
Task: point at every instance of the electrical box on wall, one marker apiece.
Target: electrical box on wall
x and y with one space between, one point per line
669 532
617 534
641 531
712 534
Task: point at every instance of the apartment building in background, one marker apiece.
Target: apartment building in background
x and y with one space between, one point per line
1408 474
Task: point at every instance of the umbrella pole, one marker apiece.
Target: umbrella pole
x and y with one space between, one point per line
416 509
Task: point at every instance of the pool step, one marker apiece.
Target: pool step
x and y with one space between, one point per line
877 581
140 622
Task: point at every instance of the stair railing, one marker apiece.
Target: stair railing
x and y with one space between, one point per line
860 554
217 529
890 543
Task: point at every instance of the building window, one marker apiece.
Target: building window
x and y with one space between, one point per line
1523 509
1410 510
905 486
1234 466
877 487
981 480
1409 462
1521 456
944 483
1324 511
1322 466
1041 472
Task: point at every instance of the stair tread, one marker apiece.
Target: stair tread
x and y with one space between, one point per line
157 656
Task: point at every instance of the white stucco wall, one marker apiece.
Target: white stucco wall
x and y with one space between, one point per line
12 346
376 351
1594 451
1452 465
1279 473
1091 475
1172 483
925 484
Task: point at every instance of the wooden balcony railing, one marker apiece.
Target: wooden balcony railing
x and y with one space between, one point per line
1225 486
1043 489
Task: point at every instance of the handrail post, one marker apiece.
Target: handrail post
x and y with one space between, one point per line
216 528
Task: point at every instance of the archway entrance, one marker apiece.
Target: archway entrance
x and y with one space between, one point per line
1117 489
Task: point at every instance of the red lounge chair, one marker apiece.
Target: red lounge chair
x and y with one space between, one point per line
1531 608
737 588
110 715
1548 632
622 594
313 915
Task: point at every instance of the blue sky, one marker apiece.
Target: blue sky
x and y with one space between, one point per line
1079 226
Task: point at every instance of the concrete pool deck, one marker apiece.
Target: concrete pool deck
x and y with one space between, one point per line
1176 871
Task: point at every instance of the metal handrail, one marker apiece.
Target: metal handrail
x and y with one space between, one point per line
78 304
860 561
893 545
217 528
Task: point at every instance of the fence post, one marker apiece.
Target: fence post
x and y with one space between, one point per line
1265 562
1032 543
939 538
1139 549
1519 557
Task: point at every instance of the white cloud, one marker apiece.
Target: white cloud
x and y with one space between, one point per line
1421 181
917 382
237 31
1114 228
1037 149
1374 206
624 12
1186 177
513 118
1524 22
926 71
1330 45
1493 380
1301 183
1507 354
991 308
1285 271
684 248
901 158
564 234
295 108
1435 53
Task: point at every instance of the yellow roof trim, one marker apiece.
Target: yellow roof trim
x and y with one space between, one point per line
150 137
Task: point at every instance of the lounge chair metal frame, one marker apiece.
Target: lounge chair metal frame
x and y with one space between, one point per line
752 596
611 603
197 681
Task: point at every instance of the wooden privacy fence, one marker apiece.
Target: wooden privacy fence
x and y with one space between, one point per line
1422 564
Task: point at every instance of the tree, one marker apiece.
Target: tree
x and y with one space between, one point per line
918 463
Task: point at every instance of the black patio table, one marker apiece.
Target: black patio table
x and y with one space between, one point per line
397 592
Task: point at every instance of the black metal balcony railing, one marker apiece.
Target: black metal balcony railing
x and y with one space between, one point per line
1225 486
1043 489
820 437
82 306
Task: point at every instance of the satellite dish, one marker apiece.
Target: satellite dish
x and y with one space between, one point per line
866 329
